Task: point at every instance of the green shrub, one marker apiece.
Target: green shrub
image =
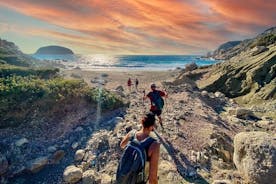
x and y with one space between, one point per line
20 96
45 73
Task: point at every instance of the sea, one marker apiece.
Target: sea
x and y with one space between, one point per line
130 62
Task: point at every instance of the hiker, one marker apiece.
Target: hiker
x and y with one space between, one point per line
136 84
157 102
139 147
129 83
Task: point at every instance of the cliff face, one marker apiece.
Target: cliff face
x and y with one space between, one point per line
233 48
10 54
249 75
54 50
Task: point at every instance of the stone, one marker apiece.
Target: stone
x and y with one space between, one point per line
21 142
51 149
90 177
259 49
74 145
120 88
222 182
204 93
241 113
106 179
190 67
72 174
37 164
255 156
3 164
57 156
79 129
219 94
79 155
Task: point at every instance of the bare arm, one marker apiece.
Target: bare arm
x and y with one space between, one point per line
154 158
124 141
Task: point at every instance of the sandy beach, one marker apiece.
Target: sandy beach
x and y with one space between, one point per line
114 78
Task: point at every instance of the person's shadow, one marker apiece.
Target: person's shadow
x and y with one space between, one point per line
185 171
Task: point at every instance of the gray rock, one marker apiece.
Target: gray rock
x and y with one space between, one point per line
74 145
72 174
120 88
106 179
219 94
3 164
222 182
79 155
57 156
51 149
21 142
37 164
204 93
255 156
90 177
79 129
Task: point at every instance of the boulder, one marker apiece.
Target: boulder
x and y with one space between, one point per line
3 164
242 113
106 179
37 164
190 67
219 94
72 174
90 177
255 156
21 142
57 156
259 49
79 155
204 93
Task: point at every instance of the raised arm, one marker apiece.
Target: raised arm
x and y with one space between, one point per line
124 141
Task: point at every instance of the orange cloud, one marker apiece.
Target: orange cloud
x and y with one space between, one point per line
155 26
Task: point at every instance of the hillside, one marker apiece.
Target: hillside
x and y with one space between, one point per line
249 76
53 49
233 48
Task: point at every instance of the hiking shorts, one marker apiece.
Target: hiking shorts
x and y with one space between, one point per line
157 112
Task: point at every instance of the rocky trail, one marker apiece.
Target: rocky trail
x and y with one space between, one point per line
196 143
193 133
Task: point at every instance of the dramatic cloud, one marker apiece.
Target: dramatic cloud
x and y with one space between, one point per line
147 27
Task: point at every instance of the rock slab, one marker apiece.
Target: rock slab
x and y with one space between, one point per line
255 157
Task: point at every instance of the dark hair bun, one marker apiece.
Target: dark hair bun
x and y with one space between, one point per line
149 120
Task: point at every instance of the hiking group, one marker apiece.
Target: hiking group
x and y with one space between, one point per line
139 147
129 84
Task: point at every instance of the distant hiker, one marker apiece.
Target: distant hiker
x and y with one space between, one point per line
157 102
139 147
136 84
129 83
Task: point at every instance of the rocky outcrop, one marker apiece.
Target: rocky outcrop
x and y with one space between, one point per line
234 48
72 174
253 78
255 157
53 49
37 164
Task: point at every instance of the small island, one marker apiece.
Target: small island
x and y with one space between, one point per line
53 49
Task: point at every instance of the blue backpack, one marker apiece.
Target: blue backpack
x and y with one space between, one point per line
131 169
157 100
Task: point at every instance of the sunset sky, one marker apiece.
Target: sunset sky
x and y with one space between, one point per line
133 26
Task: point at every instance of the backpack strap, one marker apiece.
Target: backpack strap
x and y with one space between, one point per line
132 135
